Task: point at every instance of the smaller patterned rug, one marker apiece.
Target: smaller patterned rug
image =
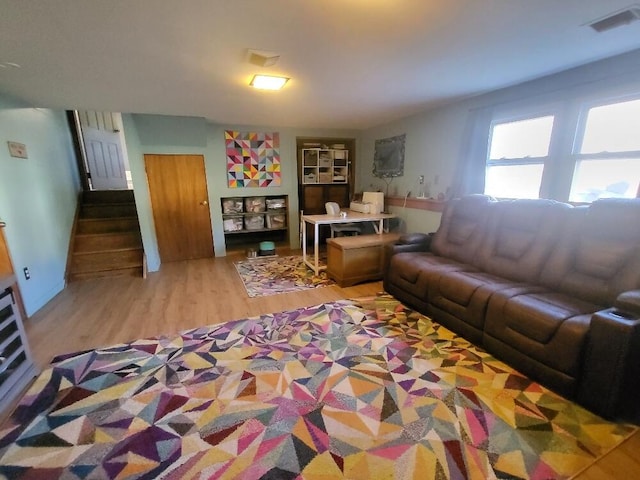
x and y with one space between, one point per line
273 275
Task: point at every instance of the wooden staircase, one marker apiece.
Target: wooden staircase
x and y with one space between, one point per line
106 239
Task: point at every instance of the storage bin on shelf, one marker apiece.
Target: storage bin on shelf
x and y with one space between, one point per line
324 177
275 203
276 220
254 222
254 204
339 154
232 205
233 224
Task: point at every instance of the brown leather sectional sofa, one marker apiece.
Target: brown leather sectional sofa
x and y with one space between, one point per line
551 289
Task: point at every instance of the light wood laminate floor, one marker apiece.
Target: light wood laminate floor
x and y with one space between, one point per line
101 312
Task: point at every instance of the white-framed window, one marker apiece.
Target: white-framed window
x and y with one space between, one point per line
607 151
517 153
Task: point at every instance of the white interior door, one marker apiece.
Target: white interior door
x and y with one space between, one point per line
104 159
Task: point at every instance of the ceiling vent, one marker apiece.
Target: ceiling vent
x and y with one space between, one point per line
263 58
618 19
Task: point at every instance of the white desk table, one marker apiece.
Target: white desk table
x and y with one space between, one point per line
352 217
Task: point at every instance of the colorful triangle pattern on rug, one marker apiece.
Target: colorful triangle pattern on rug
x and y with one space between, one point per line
358 390
273 275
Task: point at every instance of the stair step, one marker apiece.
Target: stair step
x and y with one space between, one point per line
107 225
105 261
132 272
108 196
96 242
108 210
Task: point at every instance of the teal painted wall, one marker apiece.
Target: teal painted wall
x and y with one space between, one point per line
38 197
159 134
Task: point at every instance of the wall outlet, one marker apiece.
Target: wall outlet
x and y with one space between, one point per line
421 179
27 275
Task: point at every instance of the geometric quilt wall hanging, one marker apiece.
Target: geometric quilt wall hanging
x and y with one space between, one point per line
253 159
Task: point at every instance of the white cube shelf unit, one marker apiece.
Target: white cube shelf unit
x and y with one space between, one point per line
325 165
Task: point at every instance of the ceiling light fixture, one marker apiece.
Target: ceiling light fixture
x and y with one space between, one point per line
268 82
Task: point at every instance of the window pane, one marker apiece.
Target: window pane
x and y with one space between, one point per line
595 179
514 181
612 128
524 138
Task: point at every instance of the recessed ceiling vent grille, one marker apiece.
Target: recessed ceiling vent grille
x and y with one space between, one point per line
618 19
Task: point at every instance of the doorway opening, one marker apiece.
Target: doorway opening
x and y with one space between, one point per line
102 154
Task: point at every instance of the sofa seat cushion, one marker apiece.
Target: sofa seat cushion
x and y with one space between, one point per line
465 296
545 326
410 267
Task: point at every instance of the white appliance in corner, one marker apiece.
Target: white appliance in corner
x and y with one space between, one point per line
375 200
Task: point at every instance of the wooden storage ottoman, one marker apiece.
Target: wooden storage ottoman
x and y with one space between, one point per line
352 260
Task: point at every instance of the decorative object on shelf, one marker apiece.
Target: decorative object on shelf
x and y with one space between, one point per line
388 160
253 159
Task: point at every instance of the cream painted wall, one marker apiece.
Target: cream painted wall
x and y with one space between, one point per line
437 139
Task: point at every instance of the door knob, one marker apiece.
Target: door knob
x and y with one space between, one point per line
204 202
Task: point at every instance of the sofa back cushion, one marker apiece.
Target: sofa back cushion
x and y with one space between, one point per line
461 227
520 235
599 255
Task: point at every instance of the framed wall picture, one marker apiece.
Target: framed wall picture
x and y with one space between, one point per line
253 159
388 160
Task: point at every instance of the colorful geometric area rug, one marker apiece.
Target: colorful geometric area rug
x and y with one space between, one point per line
362 389
269 276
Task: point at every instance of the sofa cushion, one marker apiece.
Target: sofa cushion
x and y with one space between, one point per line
413 269
545 326
461 227
459 299
409 275
598 256
519 237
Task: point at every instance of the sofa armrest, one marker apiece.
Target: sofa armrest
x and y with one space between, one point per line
413 242
629 302
409 242
611 367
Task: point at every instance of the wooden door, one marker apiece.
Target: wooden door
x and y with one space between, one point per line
180 203
104 159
